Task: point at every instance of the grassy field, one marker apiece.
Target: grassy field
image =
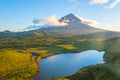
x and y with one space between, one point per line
17 65
19 56
108 71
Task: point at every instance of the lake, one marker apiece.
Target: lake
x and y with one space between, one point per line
62 65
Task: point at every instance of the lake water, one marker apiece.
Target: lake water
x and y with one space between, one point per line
67 64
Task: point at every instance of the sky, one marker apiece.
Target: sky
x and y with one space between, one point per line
17 15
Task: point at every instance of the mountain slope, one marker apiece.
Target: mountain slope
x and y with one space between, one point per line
74 27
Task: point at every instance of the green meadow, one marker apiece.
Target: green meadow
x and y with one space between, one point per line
17 62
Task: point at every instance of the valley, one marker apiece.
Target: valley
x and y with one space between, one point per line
66 45
17 50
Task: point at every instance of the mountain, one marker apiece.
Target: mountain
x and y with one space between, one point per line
72 19
74 27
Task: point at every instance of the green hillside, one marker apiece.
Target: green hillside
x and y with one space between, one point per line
17 65
17 51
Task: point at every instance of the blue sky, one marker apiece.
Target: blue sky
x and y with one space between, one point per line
16 15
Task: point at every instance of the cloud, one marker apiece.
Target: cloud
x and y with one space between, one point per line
113 4
87 21
92 2
50 21
98 1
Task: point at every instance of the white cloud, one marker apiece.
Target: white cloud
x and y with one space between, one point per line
98 1
92 2
113 4
50 21
87 21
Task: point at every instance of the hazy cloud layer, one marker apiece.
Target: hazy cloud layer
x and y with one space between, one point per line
50 21
113 4
110 5
99 1
92 2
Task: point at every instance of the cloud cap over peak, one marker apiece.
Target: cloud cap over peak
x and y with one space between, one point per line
52 20
88 22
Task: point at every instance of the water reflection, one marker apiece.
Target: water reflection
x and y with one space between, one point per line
67 64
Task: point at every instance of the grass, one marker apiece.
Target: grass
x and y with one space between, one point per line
15 65
69 47
108 71
98 72
42 53
52 46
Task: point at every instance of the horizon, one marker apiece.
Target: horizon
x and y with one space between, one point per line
18 15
